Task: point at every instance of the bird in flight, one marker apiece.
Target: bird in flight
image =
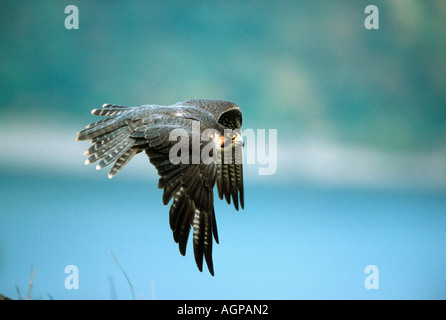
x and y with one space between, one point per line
207 128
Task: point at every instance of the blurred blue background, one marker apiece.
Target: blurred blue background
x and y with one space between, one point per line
361 165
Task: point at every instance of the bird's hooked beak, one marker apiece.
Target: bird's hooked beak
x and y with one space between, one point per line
231 139
238 141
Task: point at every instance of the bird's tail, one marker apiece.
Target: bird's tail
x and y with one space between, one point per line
110 137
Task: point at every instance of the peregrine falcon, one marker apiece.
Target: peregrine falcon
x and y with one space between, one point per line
127 131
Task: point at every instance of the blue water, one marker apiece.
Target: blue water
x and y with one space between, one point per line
290 242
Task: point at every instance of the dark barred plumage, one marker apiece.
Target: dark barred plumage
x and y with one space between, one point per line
127 131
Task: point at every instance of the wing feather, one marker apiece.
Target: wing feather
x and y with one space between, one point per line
230 177
191 187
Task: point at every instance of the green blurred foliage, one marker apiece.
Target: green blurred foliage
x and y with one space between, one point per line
303 67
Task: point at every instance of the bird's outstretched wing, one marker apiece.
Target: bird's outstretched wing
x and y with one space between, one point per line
191 188
129 131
